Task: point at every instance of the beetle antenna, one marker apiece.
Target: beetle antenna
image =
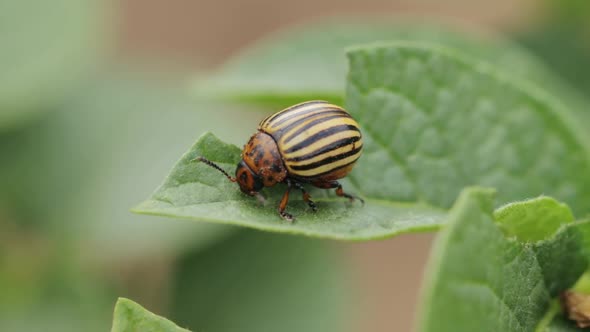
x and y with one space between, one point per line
212 164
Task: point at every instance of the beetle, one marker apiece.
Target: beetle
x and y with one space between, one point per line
314 142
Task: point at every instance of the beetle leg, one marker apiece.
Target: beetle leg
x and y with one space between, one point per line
339 191
283 204
306 196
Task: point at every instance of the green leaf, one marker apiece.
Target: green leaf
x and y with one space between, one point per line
42 62
433 122
196 191
479 280
438 121
533 220
259 282
131 317
308 62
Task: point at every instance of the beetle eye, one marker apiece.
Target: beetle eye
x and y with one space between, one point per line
248 181
243 176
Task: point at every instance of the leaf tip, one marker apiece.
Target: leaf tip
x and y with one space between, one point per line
485 196
123 302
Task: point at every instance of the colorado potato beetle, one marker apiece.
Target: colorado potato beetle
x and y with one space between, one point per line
313 142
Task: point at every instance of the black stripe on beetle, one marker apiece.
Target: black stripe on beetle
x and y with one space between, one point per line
322 134
311 124
327 160
329 148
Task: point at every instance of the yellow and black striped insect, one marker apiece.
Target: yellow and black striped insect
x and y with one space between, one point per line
313 142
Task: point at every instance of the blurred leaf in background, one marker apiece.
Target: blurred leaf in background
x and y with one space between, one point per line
261 282
44 289
561 38
118 139
308 62
48 47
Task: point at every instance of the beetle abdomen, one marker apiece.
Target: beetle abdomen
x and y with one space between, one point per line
316 139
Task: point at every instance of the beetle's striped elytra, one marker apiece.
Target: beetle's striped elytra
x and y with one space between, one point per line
314 138
312 142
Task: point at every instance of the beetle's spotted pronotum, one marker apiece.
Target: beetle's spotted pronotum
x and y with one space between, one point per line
313 142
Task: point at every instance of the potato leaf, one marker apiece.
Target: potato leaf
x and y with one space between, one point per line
196 191
480 280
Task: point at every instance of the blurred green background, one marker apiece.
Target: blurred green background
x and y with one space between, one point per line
95 108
